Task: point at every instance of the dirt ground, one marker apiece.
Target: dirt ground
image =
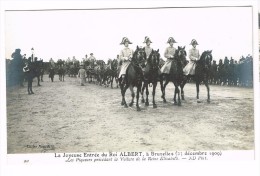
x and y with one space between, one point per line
67 117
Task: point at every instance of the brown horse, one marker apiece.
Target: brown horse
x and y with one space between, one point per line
133 77
151 75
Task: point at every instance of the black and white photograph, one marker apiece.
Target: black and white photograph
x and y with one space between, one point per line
131 79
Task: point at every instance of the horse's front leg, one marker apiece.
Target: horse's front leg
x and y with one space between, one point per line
124 88
137 97
132 94
111 83
174 98
198 90
147 95
142 91
207 85
182 87
163 90
178 92
154 88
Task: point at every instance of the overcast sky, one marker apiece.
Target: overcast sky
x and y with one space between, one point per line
67 33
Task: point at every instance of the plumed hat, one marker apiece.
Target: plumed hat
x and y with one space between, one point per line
171 39
194 42
125 39
146 39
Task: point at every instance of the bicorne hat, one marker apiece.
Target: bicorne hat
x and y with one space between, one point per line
194 42
125 39
171 39
146 39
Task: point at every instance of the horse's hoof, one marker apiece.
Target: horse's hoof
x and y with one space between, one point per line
208 100
198 101
179 103
154 106
142 100
29 93
175 103
126 106
131 104
122 103
32 92
138 108
147 103
164 101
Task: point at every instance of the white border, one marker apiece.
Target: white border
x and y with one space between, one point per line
154 168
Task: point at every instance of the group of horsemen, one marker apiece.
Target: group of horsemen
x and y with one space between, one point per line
126 55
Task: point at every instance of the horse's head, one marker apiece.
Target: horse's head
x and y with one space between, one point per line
180 55
139 56
205 59
154 58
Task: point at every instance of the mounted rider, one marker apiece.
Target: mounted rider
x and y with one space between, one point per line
52 63
125 56
194 56
169 54
148 49
92 60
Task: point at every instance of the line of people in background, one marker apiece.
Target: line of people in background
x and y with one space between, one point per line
227 71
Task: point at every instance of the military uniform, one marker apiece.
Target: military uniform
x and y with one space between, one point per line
125 55
169 53
148 51
194 55
92 60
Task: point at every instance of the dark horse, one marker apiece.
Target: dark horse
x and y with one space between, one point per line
133 77
151 75
113 73
61 72
175 75
202 73
34 70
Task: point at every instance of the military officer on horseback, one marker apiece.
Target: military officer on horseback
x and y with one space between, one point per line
125 56
194 55
92 60
169 54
